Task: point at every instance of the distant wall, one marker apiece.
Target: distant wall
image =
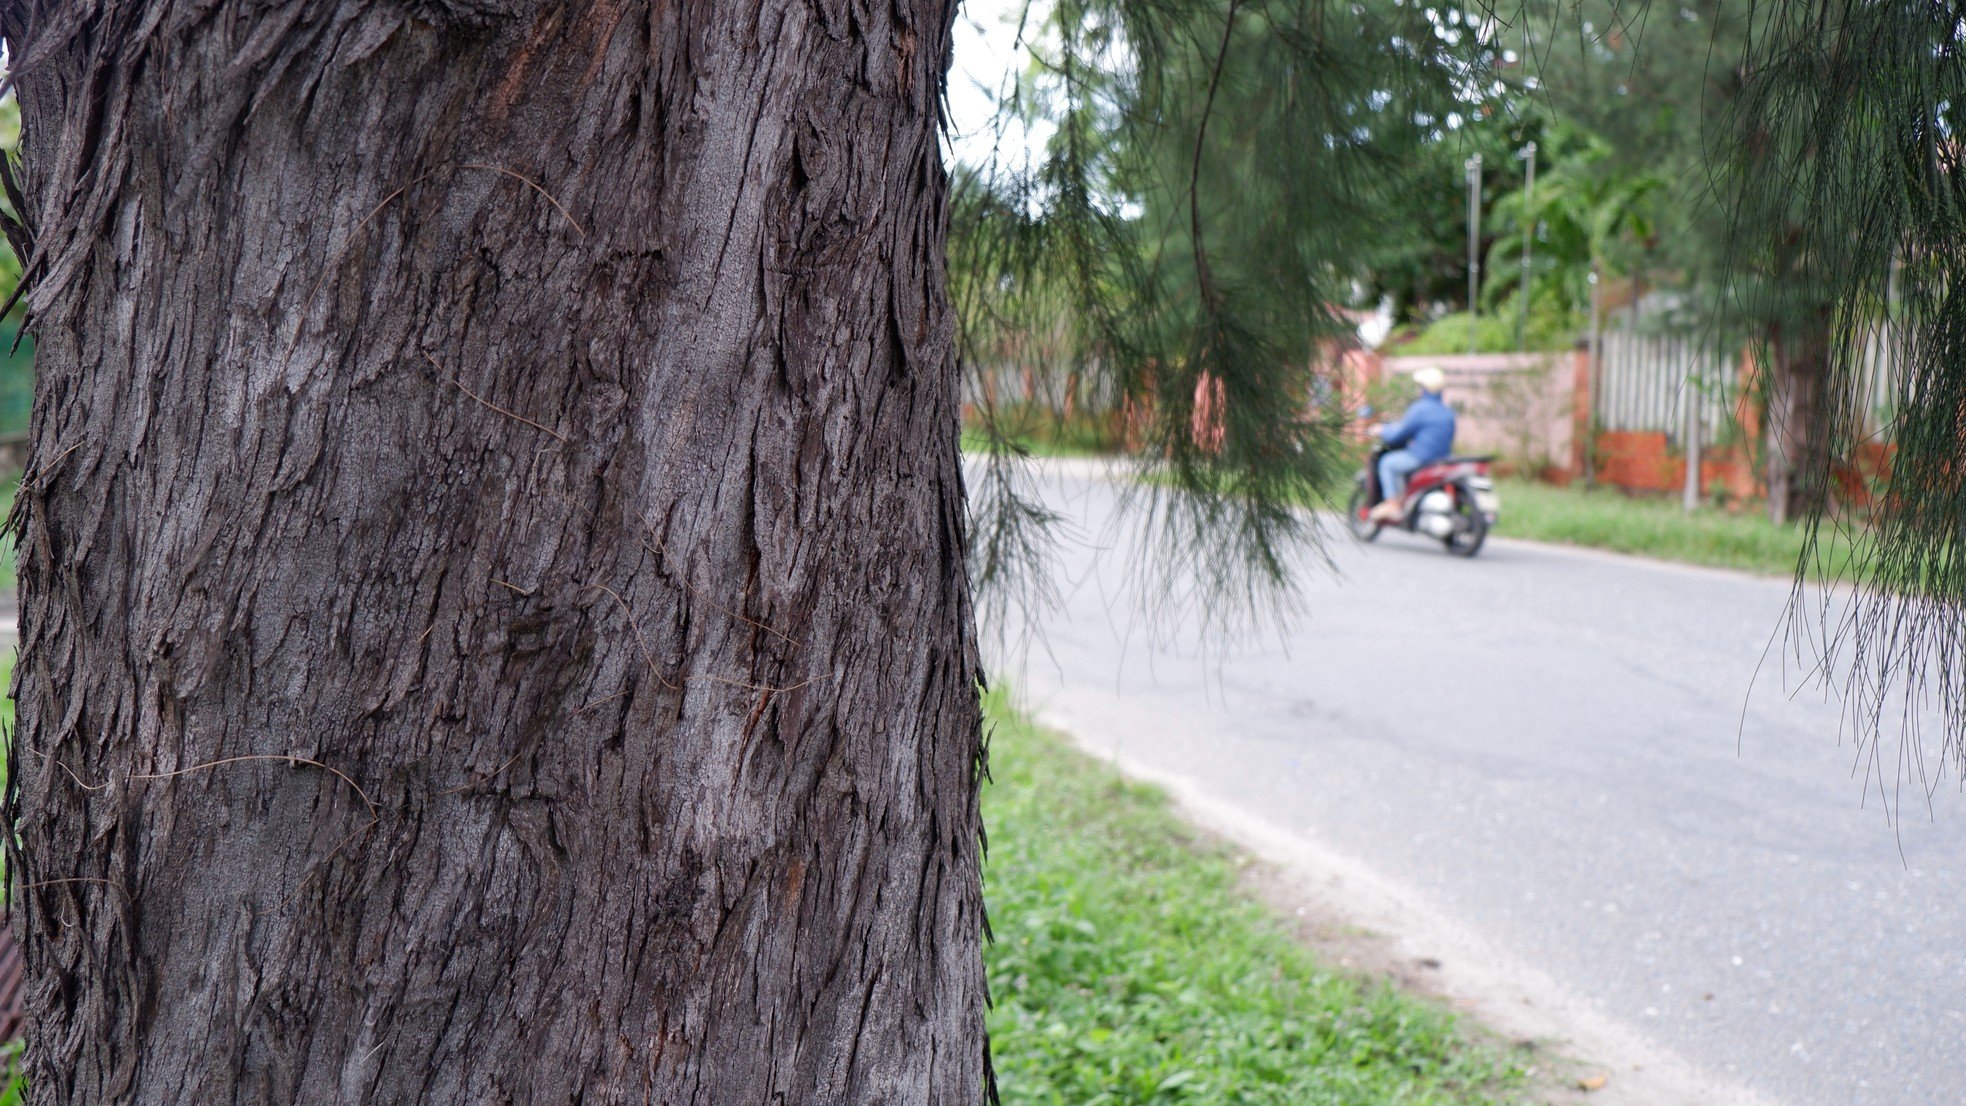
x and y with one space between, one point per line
1517 406
1645 461
1534 410
1520 407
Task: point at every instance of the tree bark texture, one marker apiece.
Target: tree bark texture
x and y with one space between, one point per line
1797 445
494 622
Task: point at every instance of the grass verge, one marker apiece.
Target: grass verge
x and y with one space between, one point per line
1034 430
1658 528
1035 445
1129 968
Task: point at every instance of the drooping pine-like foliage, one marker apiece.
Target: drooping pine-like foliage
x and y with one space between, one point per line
1220 173
1216 174
1848 130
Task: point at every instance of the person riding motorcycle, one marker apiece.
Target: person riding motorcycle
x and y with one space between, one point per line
1423 435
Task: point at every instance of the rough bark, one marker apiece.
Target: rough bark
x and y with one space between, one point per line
494 626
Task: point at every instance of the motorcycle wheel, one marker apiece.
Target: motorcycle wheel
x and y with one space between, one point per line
1470 530
1355 517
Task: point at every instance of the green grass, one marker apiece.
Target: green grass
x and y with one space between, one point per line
1128 968
1044 433
1039 444
1608 519
1036 445
1494 332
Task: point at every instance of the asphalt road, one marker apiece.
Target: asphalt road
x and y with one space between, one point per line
1571 755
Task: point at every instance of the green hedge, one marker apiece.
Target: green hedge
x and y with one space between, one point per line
1494 333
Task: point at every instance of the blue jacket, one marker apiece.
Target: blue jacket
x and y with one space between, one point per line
1426 430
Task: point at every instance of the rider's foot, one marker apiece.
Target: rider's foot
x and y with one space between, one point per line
1387 510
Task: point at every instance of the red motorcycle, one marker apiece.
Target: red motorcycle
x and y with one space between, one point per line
1452 500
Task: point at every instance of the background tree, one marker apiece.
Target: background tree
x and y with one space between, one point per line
1417 258
1851 117
1585 213
1662 88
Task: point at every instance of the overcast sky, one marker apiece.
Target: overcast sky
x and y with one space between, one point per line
987 58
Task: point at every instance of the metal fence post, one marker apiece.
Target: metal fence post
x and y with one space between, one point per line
1528 241
1597 386
1695 397
1474 247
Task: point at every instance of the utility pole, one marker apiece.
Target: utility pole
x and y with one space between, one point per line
1474 247
1528 243
1595 381
1695 399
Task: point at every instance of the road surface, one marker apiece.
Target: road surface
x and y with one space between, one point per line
1569 754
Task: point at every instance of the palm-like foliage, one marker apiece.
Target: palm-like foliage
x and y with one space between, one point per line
1584 208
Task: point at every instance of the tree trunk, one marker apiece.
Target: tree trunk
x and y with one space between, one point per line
1797 445
494 623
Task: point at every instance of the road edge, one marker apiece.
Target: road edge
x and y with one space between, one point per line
1476 979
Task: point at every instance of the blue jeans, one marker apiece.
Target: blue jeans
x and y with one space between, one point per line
1394 468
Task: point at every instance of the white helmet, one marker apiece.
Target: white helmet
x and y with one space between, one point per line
1430 379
